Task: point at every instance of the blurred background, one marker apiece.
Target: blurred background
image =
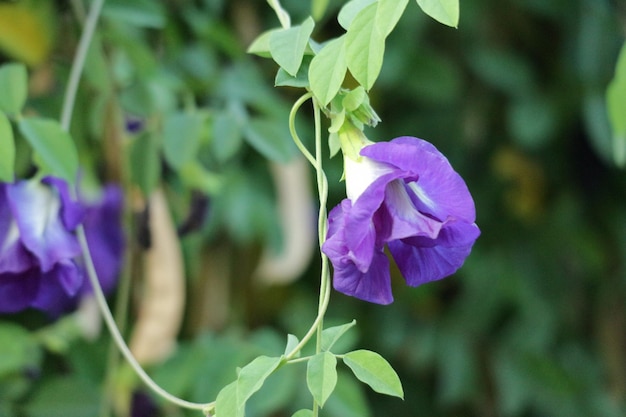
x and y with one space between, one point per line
534 323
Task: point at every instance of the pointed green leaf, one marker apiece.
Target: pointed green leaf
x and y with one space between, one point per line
321 376
292 342
7 153
372 369
365 47
14 87
443 11
616 105
349 11
54 146
227 403
388 14
327 70
332 334
181 137
261 45
252 376
303 413
300 80
287 46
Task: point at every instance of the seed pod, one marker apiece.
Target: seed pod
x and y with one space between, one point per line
163 292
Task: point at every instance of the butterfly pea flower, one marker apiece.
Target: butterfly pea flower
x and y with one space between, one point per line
405 196
40 257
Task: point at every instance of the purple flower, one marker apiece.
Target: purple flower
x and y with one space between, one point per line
402 194
40 264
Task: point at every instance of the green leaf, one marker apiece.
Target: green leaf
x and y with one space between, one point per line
227 402
372 369
53 145
145 164
270 138
303 413
261 45
227 136
318 8
443 11
14 87
321 376
287 46
616 105
18 349
64 397
328 70
252 376
349 11
292 342
181 137
388 14
331 335
365 47
300 80
7 155
141 13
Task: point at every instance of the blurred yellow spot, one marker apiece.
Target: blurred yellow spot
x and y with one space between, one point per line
27 30
526 183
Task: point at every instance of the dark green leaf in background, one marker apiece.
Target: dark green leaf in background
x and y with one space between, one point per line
13 88
270 139
616 102
65 397
141 13
145 164
18 349
182 133
227 136
7 150
53 145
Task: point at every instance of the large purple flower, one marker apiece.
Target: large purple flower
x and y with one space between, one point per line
405 195
40 264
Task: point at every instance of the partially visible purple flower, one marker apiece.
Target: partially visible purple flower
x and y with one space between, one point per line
40 263
404 195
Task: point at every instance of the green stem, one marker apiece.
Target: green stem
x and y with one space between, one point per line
66 118
79 63
322 187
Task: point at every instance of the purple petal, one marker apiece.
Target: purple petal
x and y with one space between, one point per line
403 216
13 255
422 260
17 291
439 190
58 288
373 286
36 210
72 212
360 232
103 229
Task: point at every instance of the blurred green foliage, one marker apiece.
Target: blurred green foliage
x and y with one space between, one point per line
533 325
